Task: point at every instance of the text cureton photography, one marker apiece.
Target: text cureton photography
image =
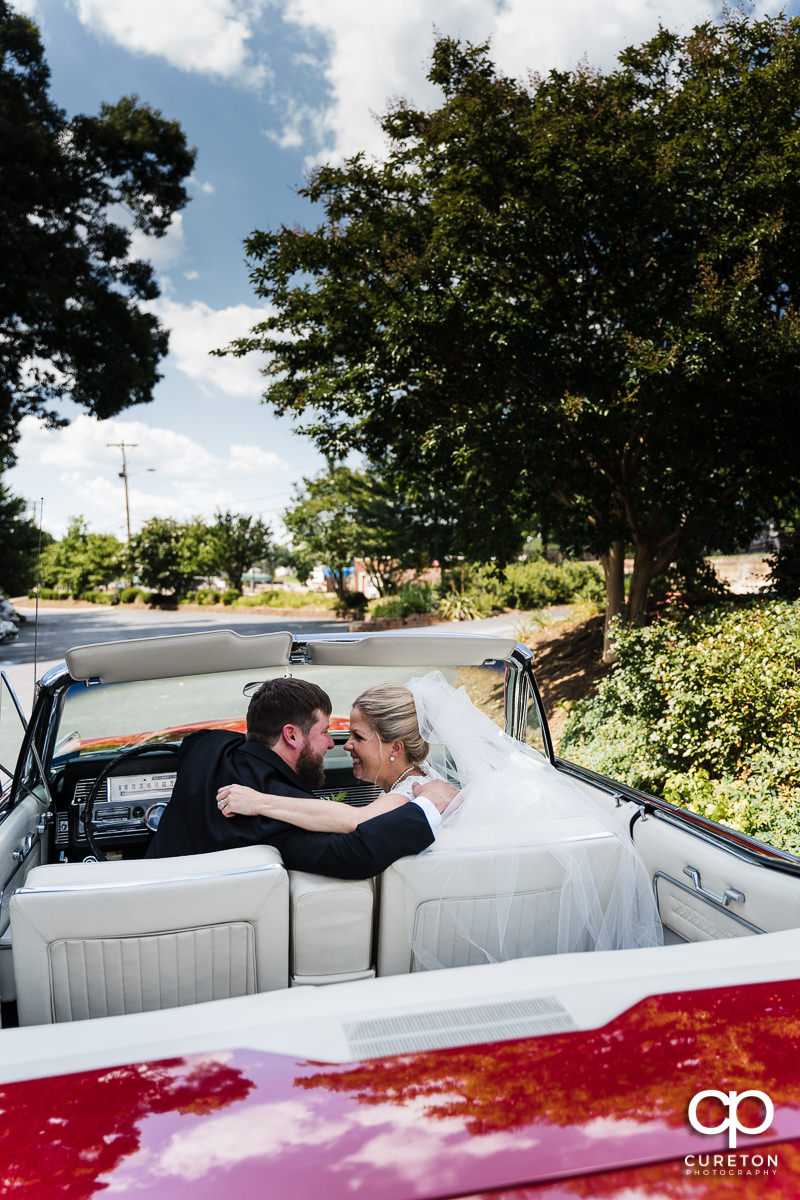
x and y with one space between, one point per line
740 1163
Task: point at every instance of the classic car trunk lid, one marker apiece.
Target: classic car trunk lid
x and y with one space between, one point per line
445 1122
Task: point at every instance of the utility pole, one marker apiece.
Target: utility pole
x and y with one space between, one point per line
123 474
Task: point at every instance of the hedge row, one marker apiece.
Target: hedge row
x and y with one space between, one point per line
703 710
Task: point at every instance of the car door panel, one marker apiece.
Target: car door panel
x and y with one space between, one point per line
706 892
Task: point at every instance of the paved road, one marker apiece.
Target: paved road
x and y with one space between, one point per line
59 629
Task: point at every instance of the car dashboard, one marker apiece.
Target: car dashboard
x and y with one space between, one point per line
130 801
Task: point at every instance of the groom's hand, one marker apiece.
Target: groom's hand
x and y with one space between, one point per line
437 791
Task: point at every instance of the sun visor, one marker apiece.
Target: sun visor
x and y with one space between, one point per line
203 653
409 650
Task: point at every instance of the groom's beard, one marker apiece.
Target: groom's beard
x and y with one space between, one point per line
309 769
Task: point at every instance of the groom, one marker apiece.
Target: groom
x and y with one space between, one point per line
282 752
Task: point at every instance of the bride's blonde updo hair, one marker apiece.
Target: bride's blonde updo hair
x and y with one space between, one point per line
390 710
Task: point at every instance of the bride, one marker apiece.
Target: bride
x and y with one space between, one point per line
515 814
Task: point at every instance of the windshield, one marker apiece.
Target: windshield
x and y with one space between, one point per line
98 718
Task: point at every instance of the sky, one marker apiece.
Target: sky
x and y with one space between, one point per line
264 89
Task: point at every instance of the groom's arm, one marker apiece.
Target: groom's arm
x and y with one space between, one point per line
370 849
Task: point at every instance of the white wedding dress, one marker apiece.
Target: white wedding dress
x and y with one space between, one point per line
525 864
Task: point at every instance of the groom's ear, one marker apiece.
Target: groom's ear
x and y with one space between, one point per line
292 735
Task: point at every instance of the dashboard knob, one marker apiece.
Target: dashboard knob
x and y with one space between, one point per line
154 815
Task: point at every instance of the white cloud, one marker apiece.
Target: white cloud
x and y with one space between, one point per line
208 36
195 329
375 57
202 185
169 474
246 460
161 252
258 1132
541 36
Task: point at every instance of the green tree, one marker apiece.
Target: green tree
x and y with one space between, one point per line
82 560
72 324
235 543
195 555
575 297
344 514
20 539
157 555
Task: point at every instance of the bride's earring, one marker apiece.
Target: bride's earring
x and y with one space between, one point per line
391 758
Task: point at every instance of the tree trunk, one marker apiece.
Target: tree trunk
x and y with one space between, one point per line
339 586
644 568
613 564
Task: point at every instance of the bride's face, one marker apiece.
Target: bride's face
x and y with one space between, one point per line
370 755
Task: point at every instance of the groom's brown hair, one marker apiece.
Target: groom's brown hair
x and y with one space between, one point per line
280 702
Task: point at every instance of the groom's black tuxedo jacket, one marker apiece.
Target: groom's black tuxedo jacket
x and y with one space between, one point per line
192 823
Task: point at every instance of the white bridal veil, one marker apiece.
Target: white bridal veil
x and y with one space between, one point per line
526 864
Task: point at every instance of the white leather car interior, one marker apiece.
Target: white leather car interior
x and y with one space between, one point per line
101 939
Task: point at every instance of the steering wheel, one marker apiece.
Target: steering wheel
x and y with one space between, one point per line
132 752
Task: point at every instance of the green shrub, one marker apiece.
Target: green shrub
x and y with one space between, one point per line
481 582
419 597
283 598
703 709
207 596
46 593
99 597
540 583
411 598
387 606
459 606
231 596
129 594
584 580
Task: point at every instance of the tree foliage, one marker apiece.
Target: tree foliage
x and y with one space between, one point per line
236 543
20 539
323 523
164 554
167 554
72 322
344 514
575 297
82 560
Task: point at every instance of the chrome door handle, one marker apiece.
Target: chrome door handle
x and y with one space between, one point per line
23 849
729 896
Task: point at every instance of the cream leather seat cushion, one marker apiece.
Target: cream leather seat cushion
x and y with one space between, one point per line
452 905
331 922
98 939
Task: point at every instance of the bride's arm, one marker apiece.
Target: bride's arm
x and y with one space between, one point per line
319 816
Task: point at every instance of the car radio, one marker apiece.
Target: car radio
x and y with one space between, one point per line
125 805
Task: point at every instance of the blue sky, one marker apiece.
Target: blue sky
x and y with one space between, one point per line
263 89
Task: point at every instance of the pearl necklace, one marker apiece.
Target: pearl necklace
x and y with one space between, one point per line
400 778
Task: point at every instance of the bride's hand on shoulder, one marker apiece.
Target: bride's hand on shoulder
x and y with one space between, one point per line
236 798
437 791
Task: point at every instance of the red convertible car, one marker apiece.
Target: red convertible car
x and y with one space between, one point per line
217 1025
